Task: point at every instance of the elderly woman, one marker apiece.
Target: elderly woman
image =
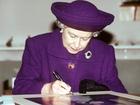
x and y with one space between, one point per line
71 51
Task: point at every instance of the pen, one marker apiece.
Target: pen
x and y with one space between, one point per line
57 76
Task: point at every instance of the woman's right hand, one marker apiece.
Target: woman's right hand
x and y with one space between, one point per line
56 87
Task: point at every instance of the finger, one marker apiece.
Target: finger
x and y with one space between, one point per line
59 90
60 87
65 86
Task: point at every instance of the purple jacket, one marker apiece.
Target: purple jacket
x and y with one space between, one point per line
45 53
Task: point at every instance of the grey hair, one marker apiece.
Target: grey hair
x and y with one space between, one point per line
59 24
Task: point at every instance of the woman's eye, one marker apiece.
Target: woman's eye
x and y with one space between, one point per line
85 39
72 36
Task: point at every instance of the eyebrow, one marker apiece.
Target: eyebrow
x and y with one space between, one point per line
77 35
72 33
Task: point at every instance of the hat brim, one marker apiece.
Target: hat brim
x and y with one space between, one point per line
96 23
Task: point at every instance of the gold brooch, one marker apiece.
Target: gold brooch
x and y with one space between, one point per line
71 65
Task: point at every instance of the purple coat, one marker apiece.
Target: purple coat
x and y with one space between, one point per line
45 53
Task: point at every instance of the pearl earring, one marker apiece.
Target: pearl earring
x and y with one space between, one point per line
95 35
61 31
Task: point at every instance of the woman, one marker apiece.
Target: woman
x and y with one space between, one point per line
71 51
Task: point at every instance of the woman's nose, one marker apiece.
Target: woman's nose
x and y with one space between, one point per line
77 43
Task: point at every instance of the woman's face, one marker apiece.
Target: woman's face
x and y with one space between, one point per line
75 40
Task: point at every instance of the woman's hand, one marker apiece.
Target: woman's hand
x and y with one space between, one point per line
60 87
56 87
55 100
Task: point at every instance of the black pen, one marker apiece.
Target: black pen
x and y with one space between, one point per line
57 76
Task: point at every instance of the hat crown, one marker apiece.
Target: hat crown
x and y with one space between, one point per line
81 15
82 8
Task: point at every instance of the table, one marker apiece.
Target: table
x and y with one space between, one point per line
90 98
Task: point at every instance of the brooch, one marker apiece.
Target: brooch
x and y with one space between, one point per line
88 55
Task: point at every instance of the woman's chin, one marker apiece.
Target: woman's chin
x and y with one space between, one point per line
73 51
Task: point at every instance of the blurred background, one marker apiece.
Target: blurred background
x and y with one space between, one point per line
20 19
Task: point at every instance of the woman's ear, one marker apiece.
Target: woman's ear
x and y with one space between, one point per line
61 31
60 25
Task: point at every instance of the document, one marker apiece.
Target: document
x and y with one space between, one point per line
103 99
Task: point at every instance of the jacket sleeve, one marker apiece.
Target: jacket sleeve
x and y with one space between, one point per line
110 77
28 78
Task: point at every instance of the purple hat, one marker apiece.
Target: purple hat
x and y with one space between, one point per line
81 15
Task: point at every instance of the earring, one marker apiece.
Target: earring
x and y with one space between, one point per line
61 31
95 35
